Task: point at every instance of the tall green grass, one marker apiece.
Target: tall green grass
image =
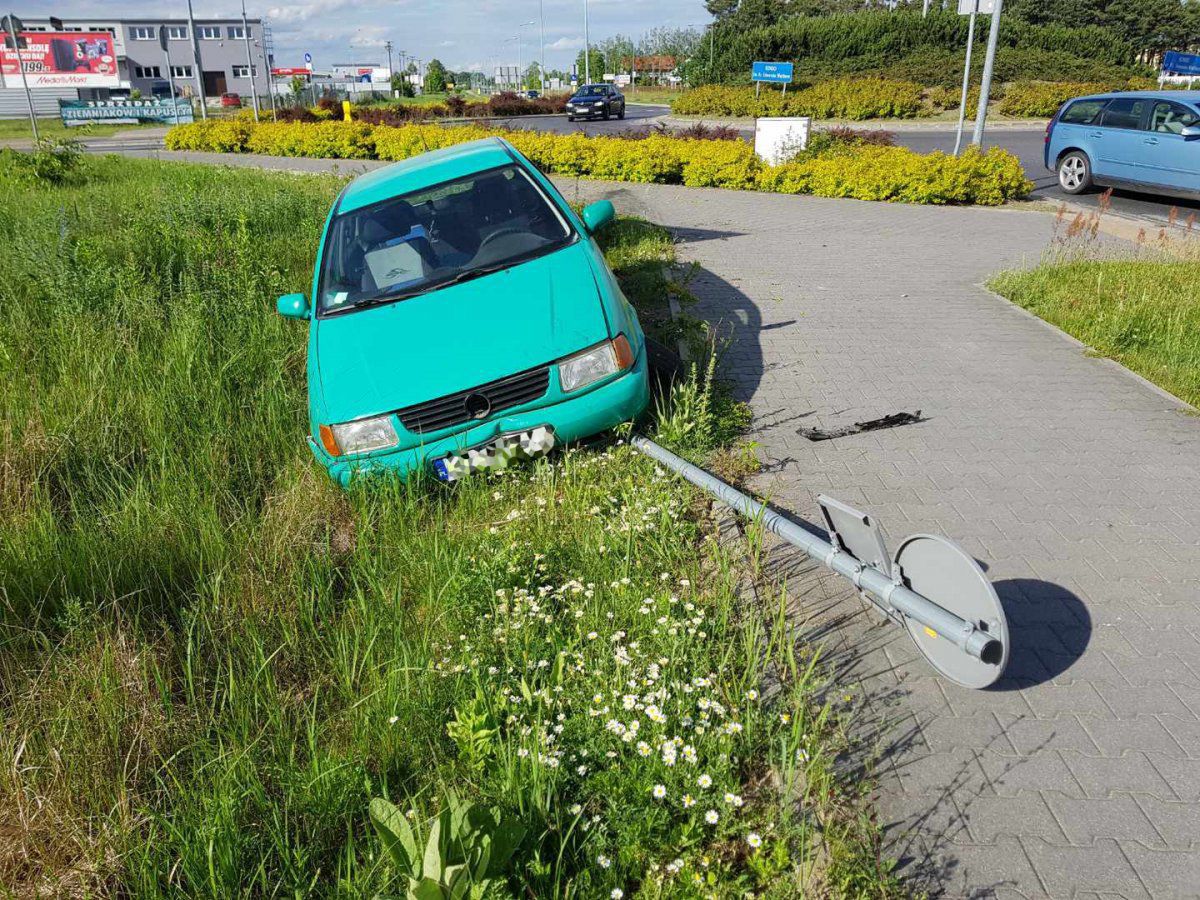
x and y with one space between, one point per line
211 659
1144 313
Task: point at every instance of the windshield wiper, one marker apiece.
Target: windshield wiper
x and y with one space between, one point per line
476 273
367 302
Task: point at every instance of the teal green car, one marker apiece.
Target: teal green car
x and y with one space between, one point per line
463 316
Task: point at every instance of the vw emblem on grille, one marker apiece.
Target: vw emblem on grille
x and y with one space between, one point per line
477 406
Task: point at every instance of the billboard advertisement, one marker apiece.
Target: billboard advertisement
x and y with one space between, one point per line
71 59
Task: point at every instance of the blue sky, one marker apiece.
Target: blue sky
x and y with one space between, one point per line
464 34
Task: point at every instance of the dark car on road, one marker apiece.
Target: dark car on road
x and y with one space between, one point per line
596 101
1140 140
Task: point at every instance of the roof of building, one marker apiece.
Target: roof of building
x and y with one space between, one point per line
422 171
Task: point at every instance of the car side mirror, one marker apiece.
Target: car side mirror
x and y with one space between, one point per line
597 215
292 306
1191 131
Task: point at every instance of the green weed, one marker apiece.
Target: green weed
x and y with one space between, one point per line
212 660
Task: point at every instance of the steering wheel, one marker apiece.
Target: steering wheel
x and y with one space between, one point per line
498 233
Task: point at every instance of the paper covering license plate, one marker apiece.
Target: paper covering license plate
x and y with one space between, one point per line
496 454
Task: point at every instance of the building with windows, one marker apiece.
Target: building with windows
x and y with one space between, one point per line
215 57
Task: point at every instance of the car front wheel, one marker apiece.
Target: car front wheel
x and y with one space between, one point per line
570 118
1074 172
621 114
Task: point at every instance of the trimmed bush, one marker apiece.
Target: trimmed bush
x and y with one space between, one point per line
843 98
899 174
844 165
1043 98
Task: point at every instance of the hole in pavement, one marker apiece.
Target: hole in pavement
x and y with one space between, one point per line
892 421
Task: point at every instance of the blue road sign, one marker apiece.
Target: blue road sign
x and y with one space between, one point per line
777 72
1176 63
308 57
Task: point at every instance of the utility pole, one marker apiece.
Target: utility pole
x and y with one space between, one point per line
388 45
962 103
989 63
249 60
196 60
13 26
587 47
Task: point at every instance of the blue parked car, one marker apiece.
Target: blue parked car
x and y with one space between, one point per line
1140 140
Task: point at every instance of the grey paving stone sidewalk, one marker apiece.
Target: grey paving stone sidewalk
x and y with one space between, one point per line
1077 485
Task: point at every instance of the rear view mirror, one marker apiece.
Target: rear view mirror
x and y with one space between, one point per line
292 306
597 215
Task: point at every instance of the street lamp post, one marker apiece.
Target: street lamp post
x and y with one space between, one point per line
520 66
587 47
542 44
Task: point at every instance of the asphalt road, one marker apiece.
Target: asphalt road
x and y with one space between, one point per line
1025 144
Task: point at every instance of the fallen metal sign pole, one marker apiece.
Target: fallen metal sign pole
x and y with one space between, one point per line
931 587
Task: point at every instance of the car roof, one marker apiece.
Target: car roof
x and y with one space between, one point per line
1186 96
427 169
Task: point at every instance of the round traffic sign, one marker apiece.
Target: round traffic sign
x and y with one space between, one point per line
941 571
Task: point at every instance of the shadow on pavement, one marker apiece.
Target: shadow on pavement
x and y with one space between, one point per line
1049 630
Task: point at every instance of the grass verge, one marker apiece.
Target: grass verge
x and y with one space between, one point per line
15 129
1144 313
211 659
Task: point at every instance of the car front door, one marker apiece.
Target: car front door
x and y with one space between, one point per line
1118 142
1169 158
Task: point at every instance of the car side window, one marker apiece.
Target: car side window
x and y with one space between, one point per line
1082 112
1171 118
1124 113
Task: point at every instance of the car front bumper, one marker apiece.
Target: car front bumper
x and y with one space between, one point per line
619 400
587 113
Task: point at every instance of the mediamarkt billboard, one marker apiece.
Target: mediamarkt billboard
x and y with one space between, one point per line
77 59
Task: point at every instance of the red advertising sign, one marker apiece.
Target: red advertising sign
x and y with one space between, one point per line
78 59
290 70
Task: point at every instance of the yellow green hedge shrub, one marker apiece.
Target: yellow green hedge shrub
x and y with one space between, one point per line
866 173
1043 98
899 174
838 98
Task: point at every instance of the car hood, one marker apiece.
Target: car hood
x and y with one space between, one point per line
387 357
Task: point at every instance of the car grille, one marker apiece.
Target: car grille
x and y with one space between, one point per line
453 409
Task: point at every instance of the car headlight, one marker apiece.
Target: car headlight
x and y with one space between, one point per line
595 363
598 103
361 436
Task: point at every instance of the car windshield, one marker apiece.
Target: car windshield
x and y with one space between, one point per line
447 233
590 90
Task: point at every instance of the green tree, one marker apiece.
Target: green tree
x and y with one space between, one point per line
533 77
299 83
596 62
435 77
401 84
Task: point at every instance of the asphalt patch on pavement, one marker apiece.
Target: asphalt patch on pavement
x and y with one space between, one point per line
893 421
